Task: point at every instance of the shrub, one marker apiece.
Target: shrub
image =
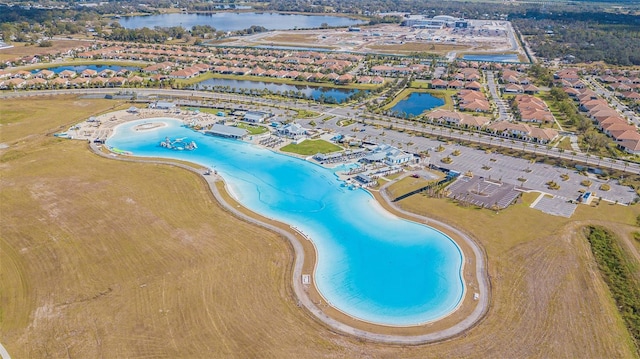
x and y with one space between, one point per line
605 187
586 183
553 185
619 276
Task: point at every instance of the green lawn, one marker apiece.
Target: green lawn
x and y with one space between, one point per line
253 130
306 114
346 122
311 147
213 111
565 144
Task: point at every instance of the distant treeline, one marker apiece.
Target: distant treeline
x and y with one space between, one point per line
583 36
583 30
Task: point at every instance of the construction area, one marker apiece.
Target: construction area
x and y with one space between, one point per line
477 36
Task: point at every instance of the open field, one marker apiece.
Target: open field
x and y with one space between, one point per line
292 37
408 184
418 47
253 129
22 120
20 49
103 258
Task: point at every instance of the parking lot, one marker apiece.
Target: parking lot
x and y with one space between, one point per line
532 176
483 193
555 206
518 171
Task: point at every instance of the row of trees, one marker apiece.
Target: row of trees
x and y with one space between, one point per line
596 141
583 36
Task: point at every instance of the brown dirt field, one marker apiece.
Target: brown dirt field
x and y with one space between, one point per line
114 259
19 49
409 47
296 38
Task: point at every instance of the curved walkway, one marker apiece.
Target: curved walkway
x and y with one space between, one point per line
299 256
4 354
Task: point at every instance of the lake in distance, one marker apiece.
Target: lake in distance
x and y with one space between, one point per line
232 21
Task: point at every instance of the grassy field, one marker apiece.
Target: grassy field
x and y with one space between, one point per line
565 144
103 258
21 49
306 114
620 273
311 147
22 119
408 184
253 129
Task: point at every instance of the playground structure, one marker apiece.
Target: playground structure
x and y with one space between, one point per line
178 144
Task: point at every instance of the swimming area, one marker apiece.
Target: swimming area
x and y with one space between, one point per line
370 264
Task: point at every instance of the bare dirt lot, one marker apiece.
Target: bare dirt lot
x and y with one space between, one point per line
391 38
102 258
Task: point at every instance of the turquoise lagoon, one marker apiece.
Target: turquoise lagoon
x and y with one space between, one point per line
371 264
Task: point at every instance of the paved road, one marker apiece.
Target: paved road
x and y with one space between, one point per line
298 287
341 112
503 108
615 103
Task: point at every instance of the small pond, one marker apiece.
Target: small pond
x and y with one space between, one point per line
80 68
415 104
492 57
319 93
